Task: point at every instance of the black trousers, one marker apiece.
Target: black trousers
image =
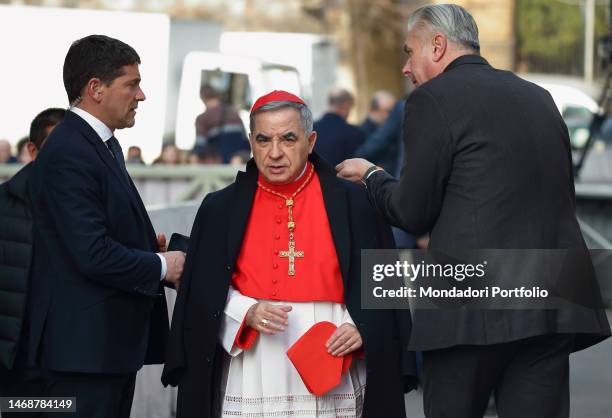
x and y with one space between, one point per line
97 395
529 378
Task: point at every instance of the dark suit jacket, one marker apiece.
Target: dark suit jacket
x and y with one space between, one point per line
487 165
195 357
97 303
337 140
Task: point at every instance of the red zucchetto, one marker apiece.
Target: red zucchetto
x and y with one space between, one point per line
276 96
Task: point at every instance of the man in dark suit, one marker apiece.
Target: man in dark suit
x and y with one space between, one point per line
97 307
337 139
487 165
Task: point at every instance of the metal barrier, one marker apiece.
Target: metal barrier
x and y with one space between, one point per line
163 185
167 184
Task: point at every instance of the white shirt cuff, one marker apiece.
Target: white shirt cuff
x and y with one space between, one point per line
235 311
346 317
164 268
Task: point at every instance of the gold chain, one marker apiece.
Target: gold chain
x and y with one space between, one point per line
290 202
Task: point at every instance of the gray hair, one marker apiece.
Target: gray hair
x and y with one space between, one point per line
305 114
456 23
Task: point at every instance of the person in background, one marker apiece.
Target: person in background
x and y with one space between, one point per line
337 139
210 155
193 158
6 155
170 155
23 155
384 146
16 252
219 125
240 158
134 155
380 106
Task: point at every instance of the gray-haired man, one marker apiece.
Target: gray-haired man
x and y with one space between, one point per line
285 256
487 166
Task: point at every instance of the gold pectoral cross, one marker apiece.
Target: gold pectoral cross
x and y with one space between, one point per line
292 255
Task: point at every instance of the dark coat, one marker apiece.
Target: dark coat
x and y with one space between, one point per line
337 140
368 126
384 147
96 287
487 165
15 260
195 356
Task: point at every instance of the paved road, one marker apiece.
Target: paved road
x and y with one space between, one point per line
590 384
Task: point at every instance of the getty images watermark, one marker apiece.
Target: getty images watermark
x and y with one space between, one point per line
459 272
479 279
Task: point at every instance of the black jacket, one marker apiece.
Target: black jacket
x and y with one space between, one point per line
97 301
15 261
487 166
384 146
337 140
195 357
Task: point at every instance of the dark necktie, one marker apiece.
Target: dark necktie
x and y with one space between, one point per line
115 149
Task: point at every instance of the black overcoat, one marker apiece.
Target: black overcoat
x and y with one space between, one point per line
194 357
487 165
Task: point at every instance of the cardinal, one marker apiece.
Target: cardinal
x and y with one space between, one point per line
268 320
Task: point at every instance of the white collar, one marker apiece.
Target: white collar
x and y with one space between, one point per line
97 125
302 173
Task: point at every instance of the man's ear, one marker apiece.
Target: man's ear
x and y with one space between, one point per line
312 139
439 44
32 150
95 89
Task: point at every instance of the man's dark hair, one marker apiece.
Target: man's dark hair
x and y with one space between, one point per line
96 56
42 121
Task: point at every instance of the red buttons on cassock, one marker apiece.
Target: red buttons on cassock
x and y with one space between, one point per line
275 266
274 293
278 220
280 205
276 252
274 280
277 237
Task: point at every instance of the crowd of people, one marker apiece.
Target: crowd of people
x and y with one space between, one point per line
269 319
222 139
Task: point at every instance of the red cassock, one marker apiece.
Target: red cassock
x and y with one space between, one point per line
263 274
